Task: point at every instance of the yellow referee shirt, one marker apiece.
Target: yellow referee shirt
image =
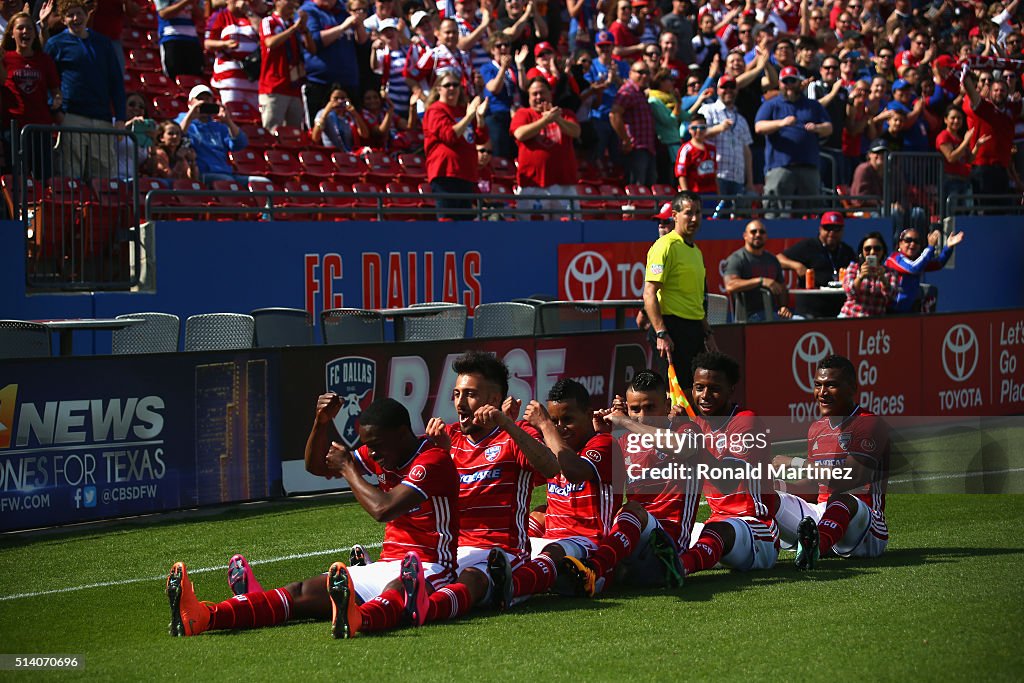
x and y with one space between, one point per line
679 268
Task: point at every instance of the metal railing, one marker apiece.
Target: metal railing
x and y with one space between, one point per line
265 206
913 179
80 213
983 204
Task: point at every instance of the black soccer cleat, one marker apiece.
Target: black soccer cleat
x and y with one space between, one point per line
806 544
358 557
499 570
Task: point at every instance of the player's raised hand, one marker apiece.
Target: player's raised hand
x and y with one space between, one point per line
619 405
437 433
338 459
327 407
536 414
490 416
602 420
511 407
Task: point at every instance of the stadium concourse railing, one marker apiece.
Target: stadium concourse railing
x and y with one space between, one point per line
983 204
80 214
268 206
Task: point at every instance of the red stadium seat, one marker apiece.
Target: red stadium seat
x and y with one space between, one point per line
260 139
146 19
592 208
144 59
504 169
364 199
240 202
665 192
117 196
243 112
427 194
641 198
12 188
613 207
167 106
404 203
155 83
413 167
381 168
330 199
289 137
316 166
134 38
158 201
292 187
350 168
199 202
263 191
282 165
248 162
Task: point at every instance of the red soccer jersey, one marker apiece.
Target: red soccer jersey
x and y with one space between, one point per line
998 123
741 439
450 155
585 509
27 88
673 502
432 528
547 158
906 58
432 62
281 69
863 434
699 167
227 67
495 483
959 168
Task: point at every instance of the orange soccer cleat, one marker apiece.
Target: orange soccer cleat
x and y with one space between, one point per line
189 616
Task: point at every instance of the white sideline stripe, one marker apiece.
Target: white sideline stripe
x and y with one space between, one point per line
200 570
316 553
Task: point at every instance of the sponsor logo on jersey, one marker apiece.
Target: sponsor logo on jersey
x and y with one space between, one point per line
593 456
418 473
480 475
491 453
565 490
353 379
657 269
844 440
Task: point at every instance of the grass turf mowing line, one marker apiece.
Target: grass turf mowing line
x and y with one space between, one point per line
943 601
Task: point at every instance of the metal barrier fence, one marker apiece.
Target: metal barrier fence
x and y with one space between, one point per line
983 204
265 206
913 179
71 188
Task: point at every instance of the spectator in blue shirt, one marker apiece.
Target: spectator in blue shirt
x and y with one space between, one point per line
180 49
500 84
92 89
212 136
335 32
606 74
793 126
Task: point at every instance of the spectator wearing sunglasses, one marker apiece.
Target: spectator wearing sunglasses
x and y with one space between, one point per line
869 287
824 254
909 261
632 121
696 167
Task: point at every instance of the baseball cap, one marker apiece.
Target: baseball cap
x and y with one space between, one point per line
832 218
725 80
945 61
418 17
879 147
789 72
900 84
542 47
605 38
390 22
198 90
639 3
665 213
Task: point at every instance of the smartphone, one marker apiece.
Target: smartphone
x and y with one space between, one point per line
209 108
872 260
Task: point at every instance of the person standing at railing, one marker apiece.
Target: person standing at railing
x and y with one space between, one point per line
31 93
92 85
990 173
452 126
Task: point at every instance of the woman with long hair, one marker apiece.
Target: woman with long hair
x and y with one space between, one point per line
171 159
31 92
452 126
869 287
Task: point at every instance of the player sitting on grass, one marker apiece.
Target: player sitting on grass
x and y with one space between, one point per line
659 515
848 454
581 497
499 461
416 496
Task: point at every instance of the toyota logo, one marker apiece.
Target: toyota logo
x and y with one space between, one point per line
810 349
960 353
588 277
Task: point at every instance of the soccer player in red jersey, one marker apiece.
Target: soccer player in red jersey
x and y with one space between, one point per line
741 532
581 498
658 518
848 458
499 461
416 497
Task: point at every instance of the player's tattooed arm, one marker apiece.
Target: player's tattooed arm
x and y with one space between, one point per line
573 467
537 453
319 441
382 506
437 432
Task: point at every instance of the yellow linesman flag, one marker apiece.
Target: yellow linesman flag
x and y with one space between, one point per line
676 392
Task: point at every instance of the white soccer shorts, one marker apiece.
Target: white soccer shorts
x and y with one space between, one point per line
866 536
579 547
755 547
370 581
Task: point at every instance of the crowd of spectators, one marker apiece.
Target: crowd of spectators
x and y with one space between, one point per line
723 97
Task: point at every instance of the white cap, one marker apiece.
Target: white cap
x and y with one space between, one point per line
199 90
417 17
391 22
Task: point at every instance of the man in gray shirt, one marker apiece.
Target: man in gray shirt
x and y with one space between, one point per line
749 269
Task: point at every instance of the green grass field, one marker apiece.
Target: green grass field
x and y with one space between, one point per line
943 602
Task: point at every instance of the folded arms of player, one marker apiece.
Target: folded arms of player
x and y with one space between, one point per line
327 407
382 506
573 467
537 453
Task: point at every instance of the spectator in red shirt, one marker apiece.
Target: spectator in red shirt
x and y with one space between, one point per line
990 174
452 126
547 161
920 52
632 120
627 44
282 69
958 149
869 287
232 36
696 167
32 83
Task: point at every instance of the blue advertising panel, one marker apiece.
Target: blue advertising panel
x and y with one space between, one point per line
84 439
